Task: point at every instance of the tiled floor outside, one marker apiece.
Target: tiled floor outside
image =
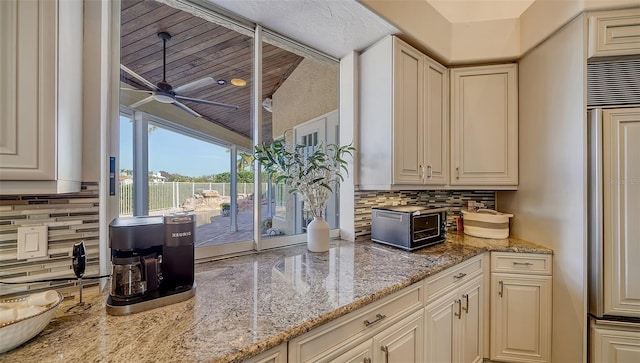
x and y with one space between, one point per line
219 230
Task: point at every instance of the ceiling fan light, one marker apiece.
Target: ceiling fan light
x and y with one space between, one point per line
221 82
163 98
238 82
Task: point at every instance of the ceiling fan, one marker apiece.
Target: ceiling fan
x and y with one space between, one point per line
163 92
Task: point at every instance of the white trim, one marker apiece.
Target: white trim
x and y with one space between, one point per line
257 136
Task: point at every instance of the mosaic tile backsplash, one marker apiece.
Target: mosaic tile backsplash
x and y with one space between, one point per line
69 218
454 199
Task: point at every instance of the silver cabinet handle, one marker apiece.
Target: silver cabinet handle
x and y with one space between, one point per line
522 263
457 172
379 318
501 288
421 172
429 171
367 360
459 313
466 298
386 353
459 276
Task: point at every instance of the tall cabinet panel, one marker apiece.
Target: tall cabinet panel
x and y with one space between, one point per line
40 96
408 101
621 167
436 123
484 125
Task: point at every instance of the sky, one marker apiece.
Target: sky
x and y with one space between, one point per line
174 153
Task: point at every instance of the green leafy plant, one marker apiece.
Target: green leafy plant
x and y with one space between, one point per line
311 172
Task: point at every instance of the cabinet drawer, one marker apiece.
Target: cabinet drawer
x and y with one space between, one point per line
357 325
614 33
521 263
444 281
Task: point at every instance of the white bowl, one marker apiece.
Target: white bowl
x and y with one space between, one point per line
14 333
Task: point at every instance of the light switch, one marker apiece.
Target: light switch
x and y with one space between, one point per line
32 242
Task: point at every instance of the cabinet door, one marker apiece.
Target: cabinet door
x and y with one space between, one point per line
621 167
273 355
360 354
521 317
440 329
614 33
614 344
472 329
402 342
407 114
484 126
27 90
436 123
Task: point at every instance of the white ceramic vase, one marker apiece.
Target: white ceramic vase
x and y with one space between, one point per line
318 235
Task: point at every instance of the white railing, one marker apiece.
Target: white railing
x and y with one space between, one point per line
171 195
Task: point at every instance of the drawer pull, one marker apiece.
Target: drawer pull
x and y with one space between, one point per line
460 275
379 318
501 288
367 360
522 263
459 313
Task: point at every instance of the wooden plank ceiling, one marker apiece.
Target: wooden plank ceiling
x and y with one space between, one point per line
198 49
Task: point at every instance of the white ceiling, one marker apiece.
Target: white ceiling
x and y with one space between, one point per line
465 11
335 27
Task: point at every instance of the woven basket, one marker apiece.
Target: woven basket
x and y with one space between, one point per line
14 333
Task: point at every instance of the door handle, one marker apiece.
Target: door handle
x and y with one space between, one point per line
459 313
501 288
385 349
466 298
429 171
421 172
457 172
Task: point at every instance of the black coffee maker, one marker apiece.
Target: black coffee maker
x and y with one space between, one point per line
152 262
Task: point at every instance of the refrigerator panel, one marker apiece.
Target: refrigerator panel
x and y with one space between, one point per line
595 233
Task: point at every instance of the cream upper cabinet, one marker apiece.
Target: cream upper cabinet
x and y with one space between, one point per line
621 169
614 33
403 118
41 96
520 307
484 126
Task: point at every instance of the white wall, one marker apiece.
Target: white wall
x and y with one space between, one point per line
550 204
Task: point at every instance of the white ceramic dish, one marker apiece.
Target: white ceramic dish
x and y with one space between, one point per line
14 333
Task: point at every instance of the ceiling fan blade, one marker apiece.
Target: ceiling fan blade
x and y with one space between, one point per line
136 90
142 102
185 108
192 86
138 77
207 102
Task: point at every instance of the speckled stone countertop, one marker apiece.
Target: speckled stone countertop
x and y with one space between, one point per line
246 305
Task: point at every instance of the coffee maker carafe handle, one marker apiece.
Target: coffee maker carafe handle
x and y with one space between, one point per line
152 272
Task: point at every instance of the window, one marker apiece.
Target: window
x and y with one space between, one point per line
187 127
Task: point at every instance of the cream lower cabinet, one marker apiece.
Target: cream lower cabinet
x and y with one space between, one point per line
520 307
454 315
614 342
273 355
389 330
454 325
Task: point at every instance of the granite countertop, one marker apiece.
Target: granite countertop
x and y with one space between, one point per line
249 304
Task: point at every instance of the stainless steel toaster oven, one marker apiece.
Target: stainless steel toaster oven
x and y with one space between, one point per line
408 227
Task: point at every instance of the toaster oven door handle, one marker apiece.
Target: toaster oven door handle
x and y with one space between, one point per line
395 216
